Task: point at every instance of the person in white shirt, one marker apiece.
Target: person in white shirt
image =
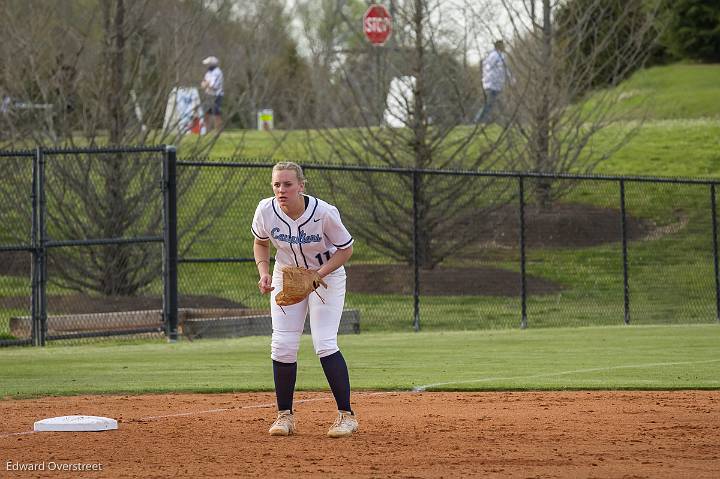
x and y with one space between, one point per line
306 232
495 74
212 84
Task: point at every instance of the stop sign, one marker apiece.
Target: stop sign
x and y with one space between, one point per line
377 24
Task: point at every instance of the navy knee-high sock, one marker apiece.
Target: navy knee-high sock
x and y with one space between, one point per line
284 375
336 372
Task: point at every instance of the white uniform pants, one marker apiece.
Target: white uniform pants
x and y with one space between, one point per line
324 319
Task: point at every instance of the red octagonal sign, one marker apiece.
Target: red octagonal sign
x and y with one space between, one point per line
377 24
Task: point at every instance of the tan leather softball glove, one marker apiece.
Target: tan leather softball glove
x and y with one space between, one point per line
298 283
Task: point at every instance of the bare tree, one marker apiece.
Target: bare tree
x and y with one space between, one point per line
560 50
94 68
553 110
100 76
331 34
408 104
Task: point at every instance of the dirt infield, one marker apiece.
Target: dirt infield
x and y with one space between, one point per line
403 434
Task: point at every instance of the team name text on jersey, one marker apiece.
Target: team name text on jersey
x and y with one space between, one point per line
301 239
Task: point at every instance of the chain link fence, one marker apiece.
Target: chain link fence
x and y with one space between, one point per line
434 250
493 250
104 234
17 200
82 254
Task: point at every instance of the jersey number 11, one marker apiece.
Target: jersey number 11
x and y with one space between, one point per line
320 259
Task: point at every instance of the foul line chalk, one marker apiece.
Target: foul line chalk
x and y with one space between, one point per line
253 406
11 434
216 410
561 373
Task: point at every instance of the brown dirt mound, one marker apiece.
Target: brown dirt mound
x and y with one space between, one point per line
610 434
15 263
565 225
82 304
440 281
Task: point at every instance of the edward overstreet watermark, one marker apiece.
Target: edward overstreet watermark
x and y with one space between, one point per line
53 466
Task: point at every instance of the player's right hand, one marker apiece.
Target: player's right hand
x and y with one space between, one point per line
265 284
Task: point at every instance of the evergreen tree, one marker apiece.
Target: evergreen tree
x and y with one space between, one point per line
598 32
693 29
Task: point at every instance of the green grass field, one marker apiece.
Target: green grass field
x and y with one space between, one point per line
626 357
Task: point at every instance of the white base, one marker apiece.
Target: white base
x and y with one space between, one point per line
76 423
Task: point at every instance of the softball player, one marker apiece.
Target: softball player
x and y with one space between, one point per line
306 232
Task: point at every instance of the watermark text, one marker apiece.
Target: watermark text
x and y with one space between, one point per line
53 466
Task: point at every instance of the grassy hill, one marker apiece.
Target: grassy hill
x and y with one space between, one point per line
681 132
680 91
680 135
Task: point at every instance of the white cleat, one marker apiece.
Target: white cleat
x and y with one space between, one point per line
345 424
284 425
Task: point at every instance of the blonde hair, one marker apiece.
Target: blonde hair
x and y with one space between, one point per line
289 165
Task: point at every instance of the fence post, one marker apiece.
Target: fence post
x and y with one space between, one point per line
170 244
38 308
623 229
416 268
35 243
713 204
523 278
